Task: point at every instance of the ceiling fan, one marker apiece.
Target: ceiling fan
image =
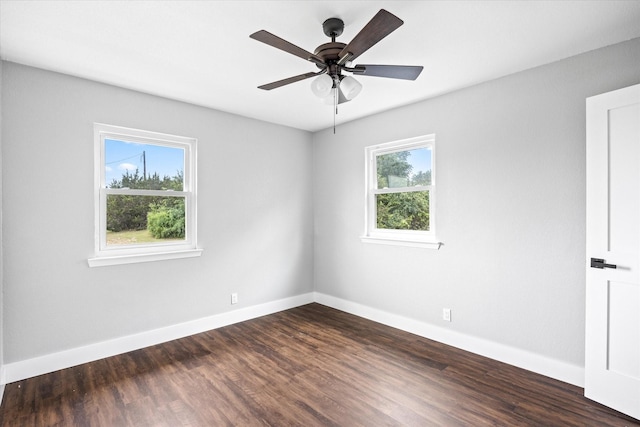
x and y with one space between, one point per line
334 58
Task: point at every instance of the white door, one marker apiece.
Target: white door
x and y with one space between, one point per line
612 353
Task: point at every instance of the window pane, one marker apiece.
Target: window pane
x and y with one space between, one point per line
404 168
403 211
143 166
134 220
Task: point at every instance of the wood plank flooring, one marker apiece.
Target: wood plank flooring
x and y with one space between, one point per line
308 366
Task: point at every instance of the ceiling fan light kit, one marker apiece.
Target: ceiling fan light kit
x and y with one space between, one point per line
321 86
350 87
334 58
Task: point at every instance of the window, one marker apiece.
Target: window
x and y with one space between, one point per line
145 197
400 197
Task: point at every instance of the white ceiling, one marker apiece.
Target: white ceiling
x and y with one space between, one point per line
200 51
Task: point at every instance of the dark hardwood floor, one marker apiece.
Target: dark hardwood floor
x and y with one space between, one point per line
309 366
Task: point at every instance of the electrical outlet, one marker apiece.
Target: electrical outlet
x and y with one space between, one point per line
234 298
446 314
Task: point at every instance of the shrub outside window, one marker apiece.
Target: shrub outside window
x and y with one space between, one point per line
400 195
145 196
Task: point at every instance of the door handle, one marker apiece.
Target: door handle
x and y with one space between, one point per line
599 263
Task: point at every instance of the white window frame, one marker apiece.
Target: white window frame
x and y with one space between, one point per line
413 238
127 254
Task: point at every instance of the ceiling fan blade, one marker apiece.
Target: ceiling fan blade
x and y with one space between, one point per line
380 26
289 80
275 41
405 72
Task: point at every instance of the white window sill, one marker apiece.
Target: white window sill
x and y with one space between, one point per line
402 242
104 261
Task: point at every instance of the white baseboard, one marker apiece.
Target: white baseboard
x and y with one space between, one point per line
543 365
23 369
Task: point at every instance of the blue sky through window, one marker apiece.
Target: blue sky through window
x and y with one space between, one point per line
122 156
420 159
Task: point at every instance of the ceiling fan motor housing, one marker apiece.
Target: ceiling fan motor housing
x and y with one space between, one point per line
329 52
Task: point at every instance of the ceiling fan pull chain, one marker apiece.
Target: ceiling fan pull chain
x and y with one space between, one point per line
335 112
336 99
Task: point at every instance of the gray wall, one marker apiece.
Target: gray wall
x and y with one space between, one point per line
510 207
254 213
